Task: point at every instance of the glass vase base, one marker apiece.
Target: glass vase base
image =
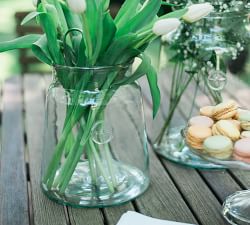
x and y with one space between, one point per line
82 193
236 208
173 148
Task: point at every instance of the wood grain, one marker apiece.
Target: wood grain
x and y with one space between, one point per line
13 183
45 211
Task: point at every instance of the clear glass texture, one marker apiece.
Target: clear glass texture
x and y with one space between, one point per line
236 208
227 32
95 145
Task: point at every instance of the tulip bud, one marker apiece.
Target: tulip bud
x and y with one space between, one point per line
165 26
35 2
197 11
77 6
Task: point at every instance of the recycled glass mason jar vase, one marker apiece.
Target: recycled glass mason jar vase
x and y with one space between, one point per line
95 145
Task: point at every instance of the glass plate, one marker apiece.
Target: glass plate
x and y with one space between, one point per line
228 163
174 149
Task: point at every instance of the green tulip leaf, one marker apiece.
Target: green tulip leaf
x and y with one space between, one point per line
140 71
40 50
30 17
50 30
127 11
176 14
152 81
61 16
109 30
145 68
117 48
19 43
142 18
79 49
73 20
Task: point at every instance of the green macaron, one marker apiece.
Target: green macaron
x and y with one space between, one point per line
244 118
218 146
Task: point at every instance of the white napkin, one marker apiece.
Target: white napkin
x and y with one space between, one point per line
134 218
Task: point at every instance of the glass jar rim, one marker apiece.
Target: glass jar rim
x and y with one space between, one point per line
227 15
84 68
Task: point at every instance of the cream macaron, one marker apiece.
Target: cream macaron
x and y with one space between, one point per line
226 128
225 110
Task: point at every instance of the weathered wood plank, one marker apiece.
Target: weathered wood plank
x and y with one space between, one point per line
80 216
1 113
162 199
13 183
188 181
45 211
85 216
113 214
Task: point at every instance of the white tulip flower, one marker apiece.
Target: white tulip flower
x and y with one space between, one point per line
35 2
165 26
77 6
197 11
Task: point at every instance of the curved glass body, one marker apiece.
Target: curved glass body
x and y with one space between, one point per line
224 31
203 53
95 146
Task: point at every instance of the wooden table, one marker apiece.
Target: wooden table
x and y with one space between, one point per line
176 193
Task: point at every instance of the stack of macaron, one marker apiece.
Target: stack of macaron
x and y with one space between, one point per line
221 131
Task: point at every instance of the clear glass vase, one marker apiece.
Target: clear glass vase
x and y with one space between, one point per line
204 52
95 147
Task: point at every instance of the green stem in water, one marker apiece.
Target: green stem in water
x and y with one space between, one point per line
100 167
194 98
75 153
172 110
92 165
110 163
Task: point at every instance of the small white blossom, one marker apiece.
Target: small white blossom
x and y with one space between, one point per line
77 6
165 26
197 11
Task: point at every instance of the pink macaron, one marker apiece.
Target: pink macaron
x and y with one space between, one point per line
201 121
242 150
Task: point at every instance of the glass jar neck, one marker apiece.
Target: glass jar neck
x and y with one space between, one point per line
83 78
